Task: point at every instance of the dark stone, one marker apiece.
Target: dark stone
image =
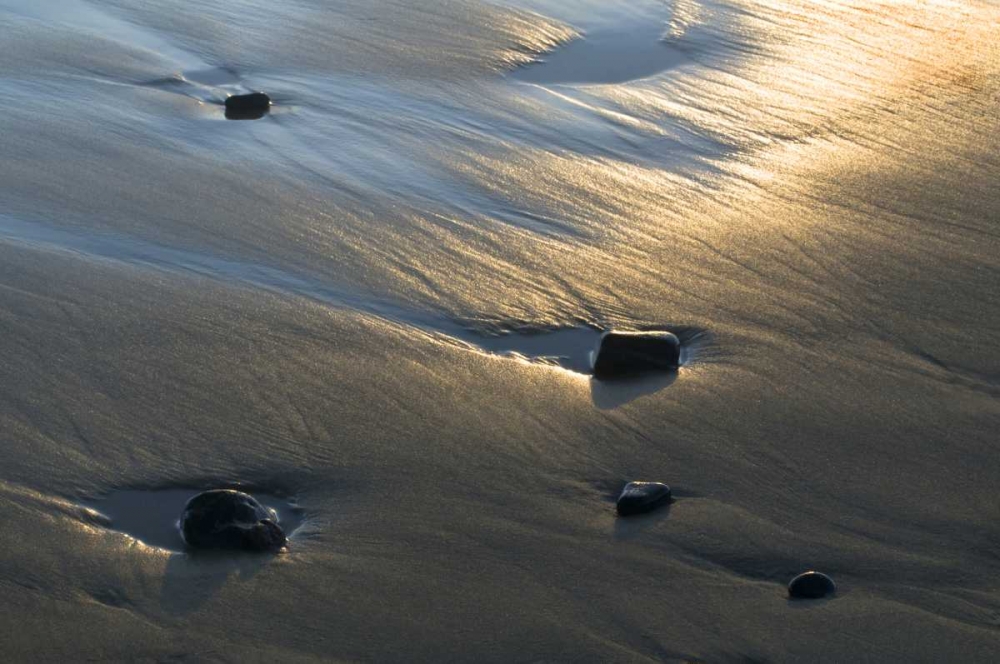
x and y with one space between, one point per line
811 585
251 106
226 519
629 353
641 497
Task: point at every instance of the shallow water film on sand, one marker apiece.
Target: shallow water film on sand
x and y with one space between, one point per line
372 304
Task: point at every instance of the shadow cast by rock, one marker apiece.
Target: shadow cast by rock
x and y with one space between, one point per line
630 527
611 394
799 603
191 579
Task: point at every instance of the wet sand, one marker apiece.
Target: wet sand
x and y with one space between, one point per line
374 302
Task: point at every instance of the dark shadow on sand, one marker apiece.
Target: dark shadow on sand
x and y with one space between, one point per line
191 579
800 604
630 527
611 394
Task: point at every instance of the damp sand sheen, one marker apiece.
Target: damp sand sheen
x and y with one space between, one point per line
371 304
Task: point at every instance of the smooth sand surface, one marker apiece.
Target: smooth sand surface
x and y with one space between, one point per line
315 305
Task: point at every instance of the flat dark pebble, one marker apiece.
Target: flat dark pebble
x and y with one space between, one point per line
227 519
811 585
622 354
641 497
251 106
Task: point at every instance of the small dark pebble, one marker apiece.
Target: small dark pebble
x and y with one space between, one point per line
811 585
227 519
629 353
641 497
251 106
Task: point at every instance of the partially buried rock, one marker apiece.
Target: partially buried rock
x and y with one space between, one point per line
226 519
630 353
251 106
641 497
811 585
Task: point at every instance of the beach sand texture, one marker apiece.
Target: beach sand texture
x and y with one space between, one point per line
343 305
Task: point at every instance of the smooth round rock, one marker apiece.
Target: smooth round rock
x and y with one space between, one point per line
811 585
641 497
227 519
247 107
623 354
